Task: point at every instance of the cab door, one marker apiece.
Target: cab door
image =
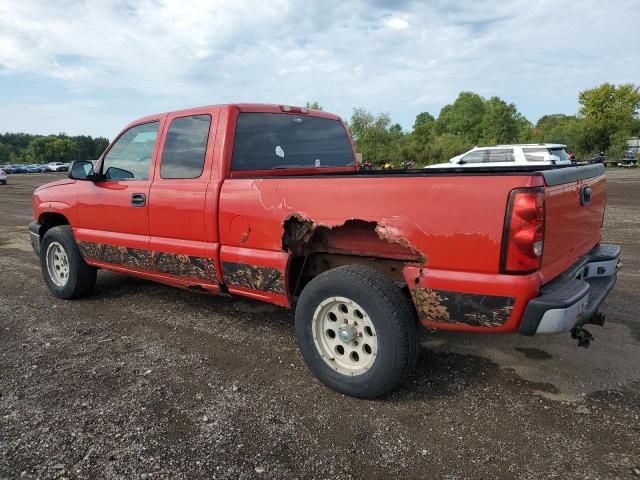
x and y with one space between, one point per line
113 223
182 240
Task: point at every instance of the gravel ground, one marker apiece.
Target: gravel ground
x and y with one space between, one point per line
140 380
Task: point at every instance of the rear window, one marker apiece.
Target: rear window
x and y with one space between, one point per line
535 154
561 153
541 154
266 141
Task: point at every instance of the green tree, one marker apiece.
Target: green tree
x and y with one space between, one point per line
501 122
618 145
51 149
373 135
607 110
5 153
315 105
424 128
559 128
464 117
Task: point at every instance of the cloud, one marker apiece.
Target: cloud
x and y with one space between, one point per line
397 23
110 61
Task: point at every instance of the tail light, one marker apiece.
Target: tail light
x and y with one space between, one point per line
522 243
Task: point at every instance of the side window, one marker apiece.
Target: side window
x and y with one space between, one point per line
130 157
501 155
535 154
185 146
476 156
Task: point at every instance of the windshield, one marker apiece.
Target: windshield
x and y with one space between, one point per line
267 141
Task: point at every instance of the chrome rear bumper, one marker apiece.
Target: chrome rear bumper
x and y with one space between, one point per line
572 299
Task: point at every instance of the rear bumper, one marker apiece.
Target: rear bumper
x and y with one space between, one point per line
572 299
34 233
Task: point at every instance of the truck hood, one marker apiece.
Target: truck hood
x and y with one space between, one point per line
65 181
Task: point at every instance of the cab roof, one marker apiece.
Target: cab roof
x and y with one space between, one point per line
242 107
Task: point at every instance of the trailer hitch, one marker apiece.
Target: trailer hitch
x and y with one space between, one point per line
582 335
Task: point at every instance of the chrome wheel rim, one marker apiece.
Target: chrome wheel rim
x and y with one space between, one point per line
345 336
57 264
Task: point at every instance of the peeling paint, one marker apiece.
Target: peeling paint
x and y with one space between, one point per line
398 230
253 277
299 230
467 308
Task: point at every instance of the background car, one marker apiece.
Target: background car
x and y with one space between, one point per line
529 154
57 167
35 168
3 177
16 169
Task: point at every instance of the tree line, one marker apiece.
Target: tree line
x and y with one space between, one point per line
16 148
607 118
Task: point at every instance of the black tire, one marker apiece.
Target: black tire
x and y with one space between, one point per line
81 277
389 310
3 182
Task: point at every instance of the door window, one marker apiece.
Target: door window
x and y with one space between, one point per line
185 147
130 157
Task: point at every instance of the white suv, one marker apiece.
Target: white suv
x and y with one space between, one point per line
511 155
56 167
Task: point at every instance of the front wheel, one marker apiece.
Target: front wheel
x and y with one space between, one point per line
63 268
357 331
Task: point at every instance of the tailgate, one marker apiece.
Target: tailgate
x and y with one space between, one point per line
572 220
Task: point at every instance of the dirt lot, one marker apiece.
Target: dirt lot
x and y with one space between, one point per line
145 381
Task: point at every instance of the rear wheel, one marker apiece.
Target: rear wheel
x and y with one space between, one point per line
357 331
64 270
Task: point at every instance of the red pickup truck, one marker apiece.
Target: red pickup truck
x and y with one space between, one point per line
269 202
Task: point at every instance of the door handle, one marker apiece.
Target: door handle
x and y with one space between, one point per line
138 200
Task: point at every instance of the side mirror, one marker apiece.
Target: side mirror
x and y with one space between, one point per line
81 170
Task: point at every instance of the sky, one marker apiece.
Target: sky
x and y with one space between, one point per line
90 67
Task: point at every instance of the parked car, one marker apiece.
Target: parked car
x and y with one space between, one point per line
16 169
629 160
56 167
279 211
3 177
532 154
35 168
